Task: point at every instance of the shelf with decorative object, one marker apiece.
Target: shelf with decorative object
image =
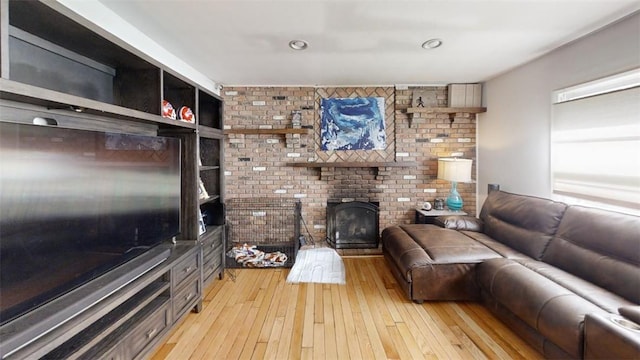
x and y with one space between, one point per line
288 133
75 105
451 111
282 131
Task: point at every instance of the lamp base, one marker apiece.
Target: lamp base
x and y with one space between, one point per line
454 200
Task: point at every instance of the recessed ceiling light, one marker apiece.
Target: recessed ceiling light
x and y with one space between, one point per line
298 44
431 44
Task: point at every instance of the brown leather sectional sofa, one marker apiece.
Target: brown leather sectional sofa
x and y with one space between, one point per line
542 267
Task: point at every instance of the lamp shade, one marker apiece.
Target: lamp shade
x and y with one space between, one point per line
454 169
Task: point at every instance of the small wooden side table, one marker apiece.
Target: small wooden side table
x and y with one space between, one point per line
427 217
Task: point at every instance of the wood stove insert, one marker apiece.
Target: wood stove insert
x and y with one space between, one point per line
352 225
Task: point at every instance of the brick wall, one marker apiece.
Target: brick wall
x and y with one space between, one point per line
256 165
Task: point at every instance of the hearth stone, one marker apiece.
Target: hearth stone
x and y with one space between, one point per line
352 224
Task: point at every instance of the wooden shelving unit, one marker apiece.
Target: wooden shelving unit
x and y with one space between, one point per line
99 84
211 174
444 110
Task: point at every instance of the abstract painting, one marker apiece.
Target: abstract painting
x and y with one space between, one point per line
353 124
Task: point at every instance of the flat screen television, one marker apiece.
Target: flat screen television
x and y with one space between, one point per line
75 204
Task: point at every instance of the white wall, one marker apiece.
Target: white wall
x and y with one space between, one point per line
513 135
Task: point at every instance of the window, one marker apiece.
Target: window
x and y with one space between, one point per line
595 143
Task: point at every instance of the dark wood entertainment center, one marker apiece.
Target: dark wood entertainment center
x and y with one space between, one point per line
54 68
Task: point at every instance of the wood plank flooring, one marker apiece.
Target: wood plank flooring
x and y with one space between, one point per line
260 316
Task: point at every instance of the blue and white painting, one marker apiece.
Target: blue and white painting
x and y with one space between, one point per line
353 124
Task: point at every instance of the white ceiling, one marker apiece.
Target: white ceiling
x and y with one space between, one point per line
363 42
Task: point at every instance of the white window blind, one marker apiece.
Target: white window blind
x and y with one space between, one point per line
595 140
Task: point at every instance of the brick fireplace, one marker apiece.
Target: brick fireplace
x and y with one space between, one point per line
259 165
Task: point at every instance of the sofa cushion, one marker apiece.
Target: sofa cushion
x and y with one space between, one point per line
524 223
500 248
439 263
600 247
415 245
403 251
550 308
603 298
448 246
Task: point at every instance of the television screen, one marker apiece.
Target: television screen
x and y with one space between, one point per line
75 204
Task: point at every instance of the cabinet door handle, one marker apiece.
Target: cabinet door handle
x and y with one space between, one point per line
187 269
188 297
151 332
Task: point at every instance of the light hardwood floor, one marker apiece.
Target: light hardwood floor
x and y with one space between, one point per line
260 316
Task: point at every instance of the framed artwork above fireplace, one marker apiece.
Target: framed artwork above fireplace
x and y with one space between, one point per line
353 123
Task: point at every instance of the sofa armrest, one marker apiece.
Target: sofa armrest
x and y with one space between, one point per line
459 222
610 337
631 312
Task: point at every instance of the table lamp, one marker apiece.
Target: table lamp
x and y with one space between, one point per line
454 170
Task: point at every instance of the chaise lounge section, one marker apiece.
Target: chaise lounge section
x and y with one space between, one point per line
541 266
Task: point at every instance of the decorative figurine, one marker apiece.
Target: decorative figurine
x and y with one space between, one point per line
296 119
185 114
167 110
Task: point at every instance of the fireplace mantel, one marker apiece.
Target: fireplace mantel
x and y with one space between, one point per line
327 168
354 164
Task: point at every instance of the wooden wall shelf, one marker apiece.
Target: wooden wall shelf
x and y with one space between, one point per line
268 131
444 110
